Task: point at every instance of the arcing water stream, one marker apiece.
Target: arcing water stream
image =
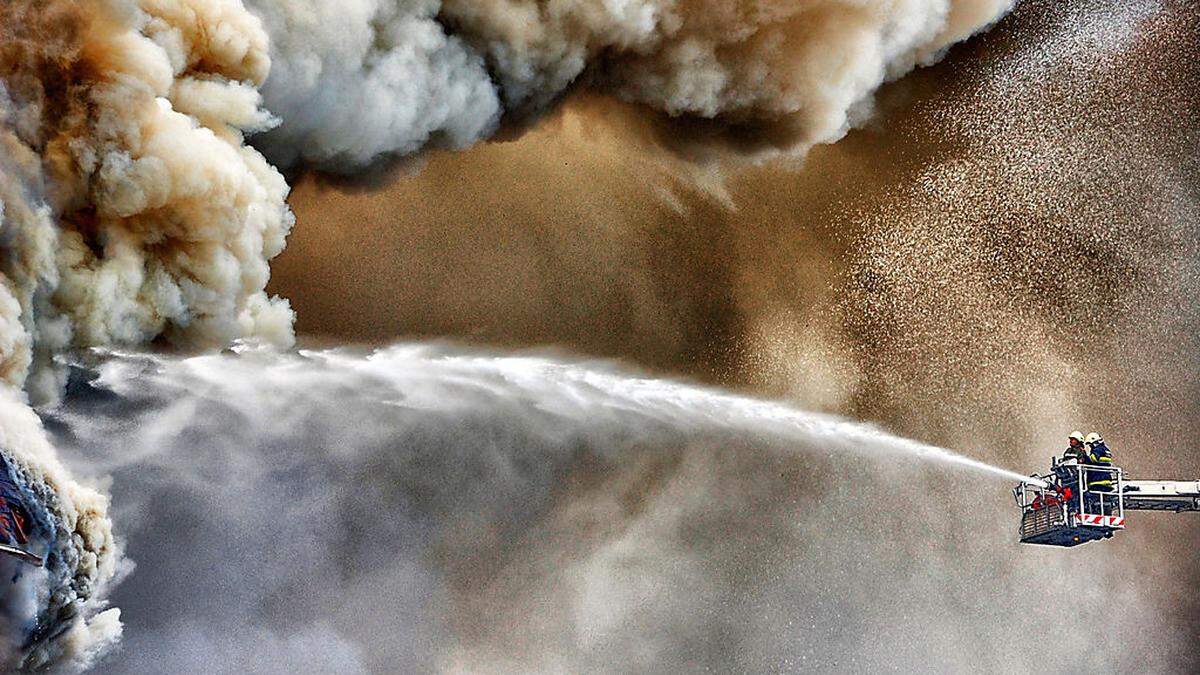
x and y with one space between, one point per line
425 377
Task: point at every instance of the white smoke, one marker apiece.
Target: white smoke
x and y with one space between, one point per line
131 208
355 82
359 79
130 211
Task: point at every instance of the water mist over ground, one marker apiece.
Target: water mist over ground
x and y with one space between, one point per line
424 508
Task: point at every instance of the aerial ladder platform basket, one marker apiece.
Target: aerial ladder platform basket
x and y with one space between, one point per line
1077 503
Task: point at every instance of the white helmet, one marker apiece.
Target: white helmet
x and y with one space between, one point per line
1076 436
1093 438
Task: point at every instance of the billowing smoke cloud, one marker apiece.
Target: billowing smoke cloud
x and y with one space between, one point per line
359 81
962 269
131 208
960 249
133 212
130 211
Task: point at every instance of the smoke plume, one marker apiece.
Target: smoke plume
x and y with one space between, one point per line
132 208
423 509
131 211
357 82
1007 252
134 212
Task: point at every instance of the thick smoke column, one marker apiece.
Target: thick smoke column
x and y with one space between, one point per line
360 81
131 208
130 211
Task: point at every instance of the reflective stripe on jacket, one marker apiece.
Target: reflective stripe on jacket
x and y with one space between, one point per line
1100 455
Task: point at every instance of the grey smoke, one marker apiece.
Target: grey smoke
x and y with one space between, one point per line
361 81
354 80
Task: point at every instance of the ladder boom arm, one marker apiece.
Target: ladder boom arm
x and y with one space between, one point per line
1161 495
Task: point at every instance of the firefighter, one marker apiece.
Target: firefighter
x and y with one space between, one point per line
1068 472
1076 449
1098 454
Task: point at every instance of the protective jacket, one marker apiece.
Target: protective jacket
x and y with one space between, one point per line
1076 452
1100 455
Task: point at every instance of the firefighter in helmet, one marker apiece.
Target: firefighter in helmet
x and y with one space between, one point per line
1067 471
1076 449
1098 454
